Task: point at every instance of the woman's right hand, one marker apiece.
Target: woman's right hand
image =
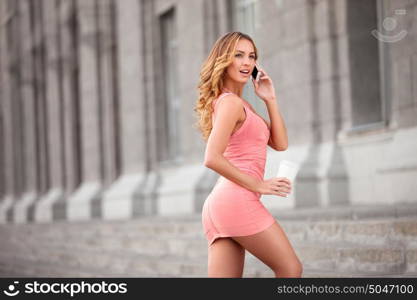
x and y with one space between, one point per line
279 186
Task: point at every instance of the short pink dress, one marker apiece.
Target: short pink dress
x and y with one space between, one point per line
230 209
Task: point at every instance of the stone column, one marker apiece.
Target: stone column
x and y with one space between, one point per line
225 10
42 209
23 206
67 45
2 154
211 23
9 170
80 203
323 178
121 198
309 190
16 118
337 175
108 91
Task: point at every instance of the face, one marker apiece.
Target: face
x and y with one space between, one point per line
243 60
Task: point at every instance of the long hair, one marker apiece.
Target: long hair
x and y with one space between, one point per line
212 75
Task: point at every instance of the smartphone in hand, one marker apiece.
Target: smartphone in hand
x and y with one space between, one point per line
255 72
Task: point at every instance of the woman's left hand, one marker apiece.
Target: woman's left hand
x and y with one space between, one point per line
264 88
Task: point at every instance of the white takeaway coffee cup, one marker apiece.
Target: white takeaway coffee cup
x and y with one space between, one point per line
288 169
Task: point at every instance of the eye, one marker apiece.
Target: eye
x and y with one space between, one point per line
238 54
253 56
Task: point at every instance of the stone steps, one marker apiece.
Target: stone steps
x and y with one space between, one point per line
175 247
369 261
364 231
181 246
186 239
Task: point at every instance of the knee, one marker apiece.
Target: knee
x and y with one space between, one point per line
293 269
297 269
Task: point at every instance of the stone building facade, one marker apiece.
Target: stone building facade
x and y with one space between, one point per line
97 98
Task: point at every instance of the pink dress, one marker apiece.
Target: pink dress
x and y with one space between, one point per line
230 209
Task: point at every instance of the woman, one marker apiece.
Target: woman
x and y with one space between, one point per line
233 217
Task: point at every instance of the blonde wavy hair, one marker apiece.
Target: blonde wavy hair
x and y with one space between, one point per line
212 75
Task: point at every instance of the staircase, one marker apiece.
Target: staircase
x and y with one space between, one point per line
338 242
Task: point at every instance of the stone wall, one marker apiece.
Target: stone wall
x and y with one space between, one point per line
83 107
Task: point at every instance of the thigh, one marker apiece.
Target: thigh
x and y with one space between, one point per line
226 258
271 246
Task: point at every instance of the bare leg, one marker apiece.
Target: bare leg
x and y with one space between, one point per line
273 248
226 258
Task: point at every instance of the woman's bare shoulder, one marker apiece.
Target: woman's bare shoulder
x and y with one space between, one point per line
230 103
230 99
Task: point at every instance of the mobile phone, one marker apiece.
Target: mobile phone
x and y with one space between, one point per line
254 72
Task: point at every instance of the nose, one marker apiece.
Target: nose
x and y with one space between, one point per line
246 61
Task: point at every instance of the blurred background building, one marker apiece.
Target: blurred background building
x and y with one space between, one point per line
98 145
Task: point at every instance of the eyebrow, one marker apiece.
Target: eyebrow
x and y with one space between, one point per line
244 51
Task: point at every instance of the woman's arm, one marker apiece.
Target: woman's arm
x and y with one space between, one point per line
265 90
227 115
278 138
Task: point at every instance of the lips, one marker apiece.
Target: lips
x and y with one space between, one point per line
245 74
